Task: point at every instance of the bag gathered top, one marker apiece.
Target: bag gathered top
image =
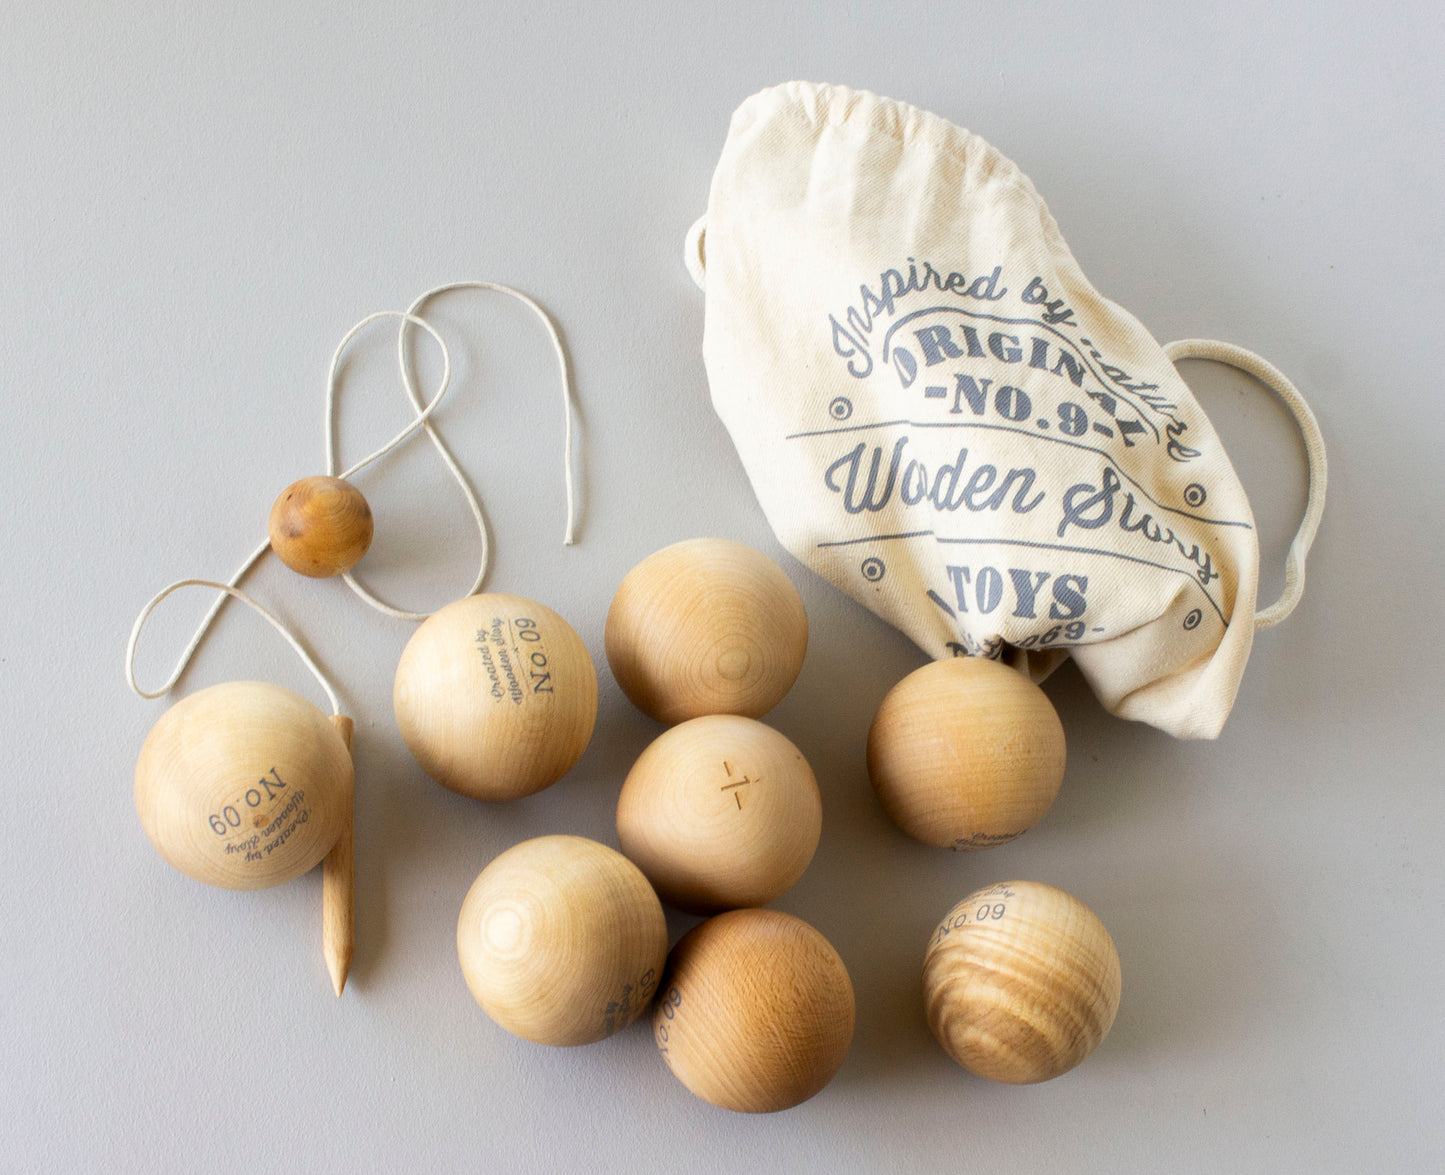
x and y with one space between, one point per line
941 416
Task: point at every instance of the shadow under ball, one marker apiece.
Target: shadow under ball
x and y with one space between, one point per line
1020 982
720 812
562 941
243 785
755 1012
966 753
321 526
706 626
495 696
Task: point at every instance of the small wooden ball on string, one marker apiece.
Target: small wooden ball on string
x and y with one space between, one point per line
246 785
495 696
755 1012
321 526
966 753
562 941
1021 982
720 812
706 626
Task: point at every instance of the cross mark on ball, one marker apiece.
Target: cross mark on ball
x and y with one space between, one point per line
732 784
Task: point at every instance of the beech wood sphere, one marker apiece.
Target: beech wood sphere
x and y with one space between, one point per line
966 753
243 785
706 626
495 696
1020 982
562 941
720 812
321 526
756 1011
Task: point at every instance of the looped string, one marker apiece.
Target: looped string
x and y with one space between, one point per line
421 422
1275 381
230 590
403 354
569 406
424 411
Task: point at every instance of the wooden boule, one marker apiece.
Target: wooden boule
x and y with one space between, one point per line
720 812
321 526
755 1012
966 753
243 785
706 626
561 940
1020 982
495 696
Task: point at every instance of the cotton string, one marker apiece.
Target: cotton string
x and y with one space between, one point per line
569 408
1275 381
232 591
422 421
404 361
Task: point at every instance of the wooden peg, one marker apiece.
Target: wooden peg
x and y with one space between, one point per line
338 881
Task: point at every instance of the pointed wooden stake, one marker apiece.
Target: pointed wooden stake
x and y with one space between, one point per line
338 884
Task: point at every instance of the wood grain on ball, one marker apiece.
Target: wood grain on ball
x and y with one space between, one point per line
561 940
755 1012
966 753
321 526
1021 982
706 626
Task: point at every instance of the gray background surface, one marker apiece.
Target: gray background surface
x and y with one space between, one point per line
196 201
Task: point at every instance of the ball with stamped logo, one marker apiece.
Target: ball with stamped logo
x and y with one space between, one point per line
562 941
495 696
720 812
1020 982
706 626
243 785
966 753
755 1012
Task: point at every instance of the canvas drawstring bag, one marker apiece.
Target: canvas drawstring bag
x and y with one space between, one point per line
941 415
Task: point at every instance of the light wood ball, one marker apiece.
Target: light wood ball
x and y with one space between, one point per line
755 1012
1020 982
321 526
966 753
562 941
720 812
495 696
243 785
706 626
